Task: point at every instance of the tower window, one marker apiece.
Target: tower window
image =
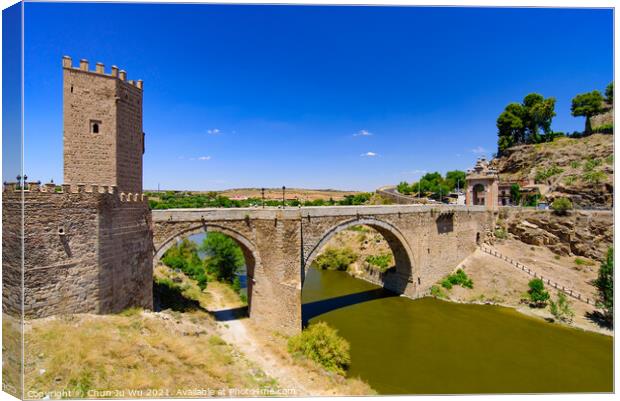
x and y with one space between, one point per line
95 126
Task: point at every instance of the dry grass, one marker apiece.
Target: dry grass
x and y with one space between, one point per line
11 354
85 354
310 374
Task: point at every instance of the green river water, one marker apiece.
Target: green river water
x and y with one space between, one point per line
428 346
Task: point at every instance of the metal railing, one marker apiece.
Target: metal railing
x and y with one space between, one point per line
568 291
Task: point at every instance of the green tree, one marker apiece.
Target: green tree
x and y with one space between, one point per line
455 177
538 295
522 123
609 93
515 193
224 257
561 309
605 286
587 105
184 256
403 188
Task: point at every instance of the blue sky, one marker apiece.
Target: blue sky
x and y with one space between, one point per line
320 97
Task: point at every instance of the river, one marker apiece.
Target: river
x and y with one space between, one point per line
429 346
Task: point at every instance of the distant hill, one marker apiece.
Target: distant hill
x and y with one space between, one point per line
581 169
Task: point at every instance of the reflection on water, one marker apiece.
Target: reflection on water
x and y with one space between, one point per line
428 346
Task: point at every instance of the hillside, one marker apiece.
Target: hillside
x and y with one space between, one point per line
579 168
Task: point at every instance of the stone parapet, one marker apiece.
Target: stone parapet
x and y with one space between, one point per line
67 63
51 188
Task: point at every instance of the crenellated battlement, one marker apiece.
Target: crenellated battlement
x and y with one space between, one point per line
67 63
52 188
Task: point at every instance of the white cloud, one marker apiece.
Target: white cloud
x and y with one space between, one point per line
363 133
214 131
369 154
204 158
479 150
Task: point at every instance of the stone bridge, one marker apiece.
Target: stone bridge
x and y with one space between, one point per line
279 245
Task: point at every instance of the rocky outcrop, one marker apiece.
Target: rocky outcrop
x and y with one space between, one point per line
578 168
582 233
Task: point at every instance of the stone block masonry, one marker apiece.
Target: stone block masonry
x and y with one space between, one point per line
428 242
85 250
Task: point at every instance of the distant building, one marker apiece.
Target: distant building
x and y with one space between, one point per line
482 185
484 188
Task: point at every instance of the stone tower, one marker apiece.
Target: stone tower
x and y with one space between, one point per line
103 137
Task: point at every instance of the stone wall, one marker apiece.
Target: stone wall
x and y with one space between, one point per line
582 233
84 251
130 140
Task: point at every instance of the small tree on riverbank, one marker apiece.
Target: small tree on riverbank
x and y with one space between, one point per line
561 309
605 285
538 295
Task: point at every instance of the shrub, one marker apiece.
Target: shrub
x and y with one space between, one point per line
594 177
437 292
575 164
583 262
543 175
570 179
561 205
458 278
321 343
605 286
335 259
591 164
501 233
382 261
561 309
604 129
538 295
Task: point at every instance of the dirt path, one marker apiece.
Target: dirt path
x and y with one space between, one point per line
234 330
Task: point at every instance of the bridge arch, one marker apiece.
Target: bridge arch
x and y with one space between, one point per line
250 253
396 279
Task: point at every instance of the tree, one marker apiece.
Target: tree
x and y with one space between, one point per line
587 105
538 295
523 123
515 193
605 286
455 177
403 188
609 93
561 309
224 257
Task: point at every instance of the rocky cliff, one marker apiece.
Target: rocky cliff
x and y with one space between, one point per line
578 168
582 233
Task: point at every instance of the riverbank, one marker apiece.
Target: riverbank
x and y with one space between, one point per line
499 283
